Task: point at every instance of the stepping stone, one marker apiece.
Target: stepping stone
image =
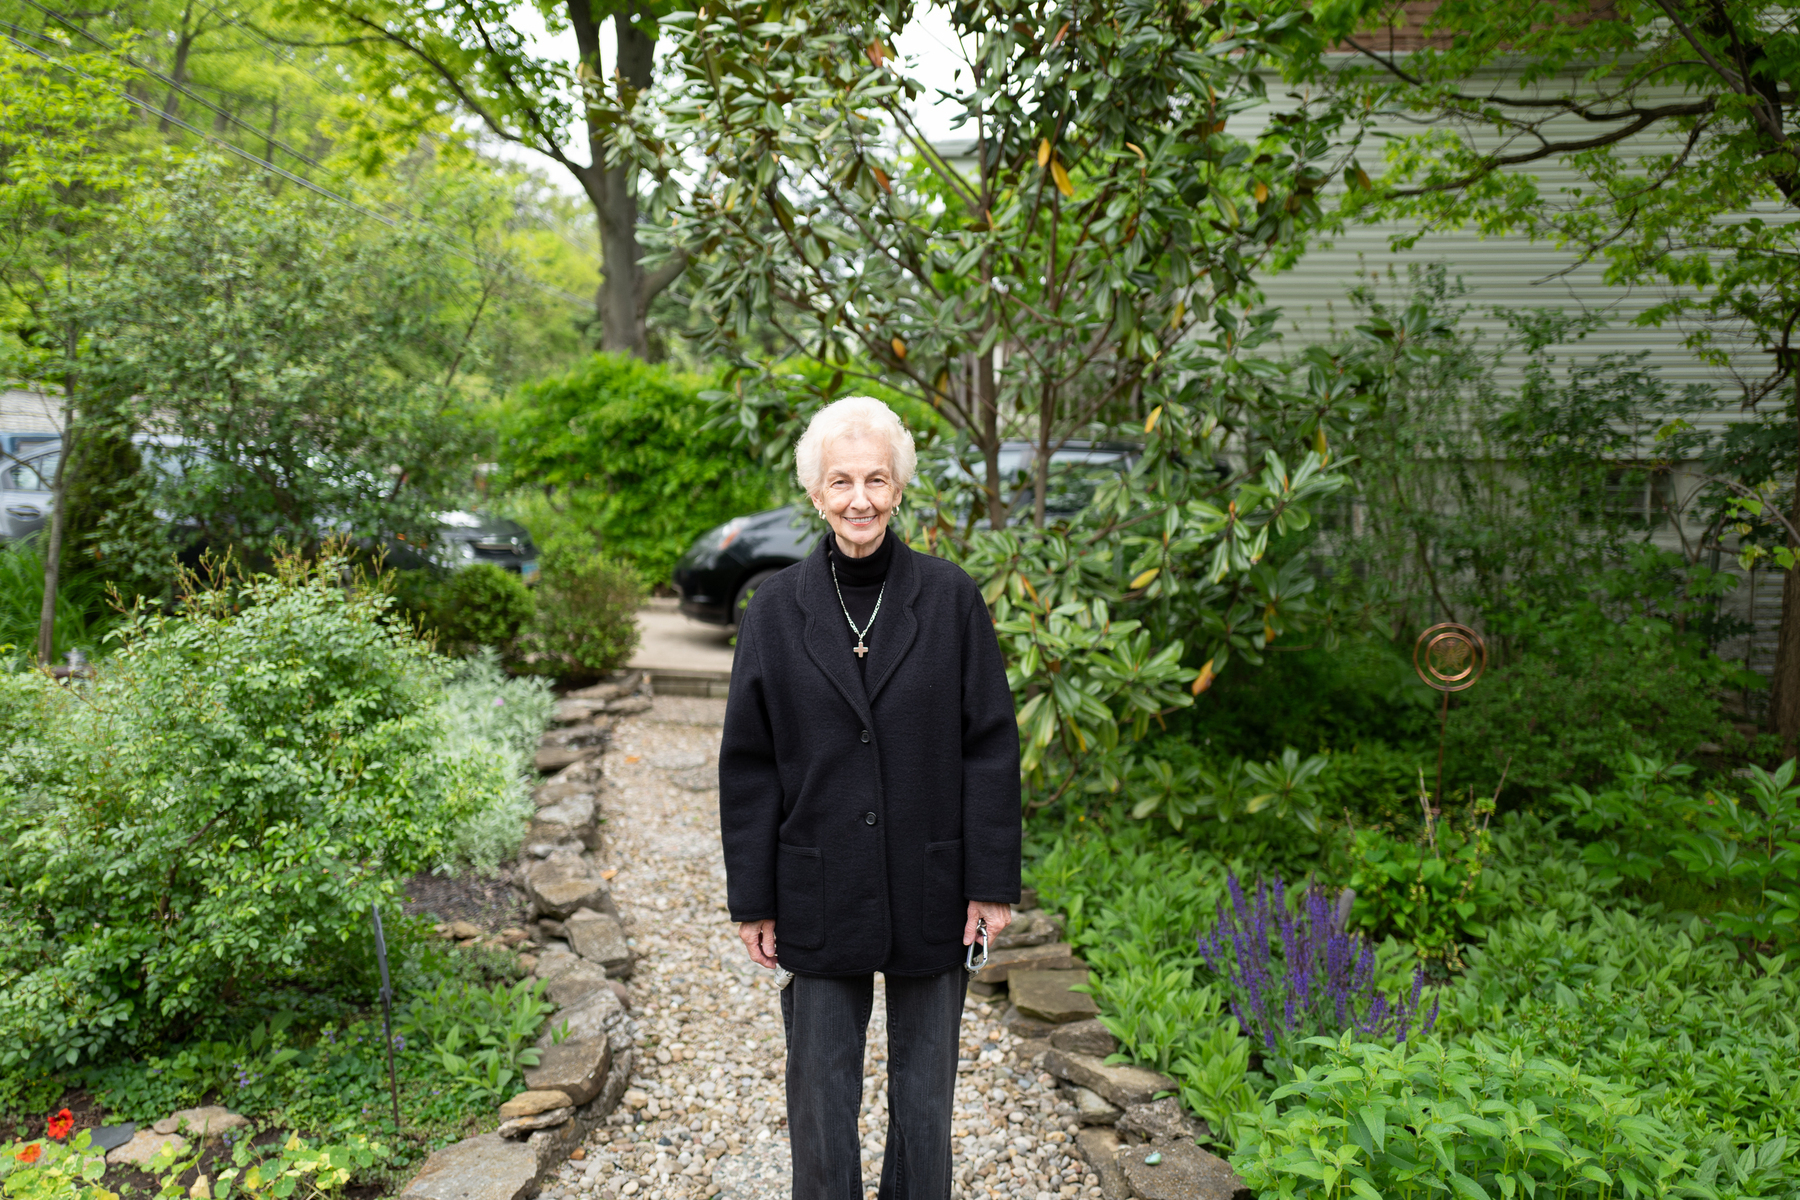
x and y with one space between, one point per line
1121 1085
1030 929
1022 1026
1185 1172
521 1127
108 1137
1057 956
1085 1037
576 1068
630 706
563 884
530 1104
595 1016
1046 995
144 1146
574 712
575 811
1028 900
551 759
1162 1121
576 984
601 692
1091 1108
487 1167
600 938
211 1121
1100 1146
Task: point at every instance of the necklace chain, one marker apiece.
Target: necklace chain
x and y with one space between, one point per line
862 633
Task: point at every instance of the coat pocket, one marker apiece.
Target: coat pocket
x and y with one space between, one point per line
945 909
799 898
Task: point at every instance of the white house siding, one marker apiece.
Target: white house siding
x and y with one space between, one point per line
1515 272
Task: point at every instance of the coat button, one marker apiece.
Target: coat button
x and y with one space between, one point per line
868 818
865 737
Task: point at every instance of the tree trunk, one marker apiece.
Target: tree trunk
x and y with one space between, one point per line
1046 418
184 43
1784 702
624 295
46 639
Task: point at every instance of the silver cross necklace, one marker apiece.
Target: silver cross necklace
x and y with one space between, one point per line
859 649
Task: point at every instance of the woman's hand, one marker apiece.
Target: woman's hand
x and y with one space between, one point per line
759 940
998 917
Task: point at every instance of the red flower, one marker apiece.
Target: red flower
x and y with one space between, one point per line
30 1153
61 1124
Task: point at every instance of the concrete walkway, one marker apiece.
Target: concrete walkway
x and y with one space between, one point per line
683 656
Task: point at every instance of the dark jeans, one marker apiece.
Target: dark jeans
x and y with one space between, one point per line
827 1021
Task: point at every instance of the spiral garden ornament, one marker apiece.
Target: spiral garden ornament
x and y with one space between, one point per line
1449 658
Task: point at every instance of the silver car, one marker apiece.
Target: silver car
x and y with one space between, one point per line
26 472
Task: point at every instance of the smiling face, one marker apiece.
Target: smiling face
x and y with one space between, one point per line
857 493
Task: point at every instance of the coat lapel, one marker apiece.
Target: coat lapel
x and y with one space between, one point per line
889 645
827 633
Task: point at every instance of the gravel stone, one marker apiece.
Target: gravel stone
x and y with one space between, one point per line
705 1115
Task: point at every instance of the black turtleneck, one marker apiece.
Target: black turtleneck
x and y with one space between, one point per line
861 580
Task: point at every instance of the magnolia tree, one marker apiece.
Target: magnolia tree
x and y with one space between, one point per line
1086 267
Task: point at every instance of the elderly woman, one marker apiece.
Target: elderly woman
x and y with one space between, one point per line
869 806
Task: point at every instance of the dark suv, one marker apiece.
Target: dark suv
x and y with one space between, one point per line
720 570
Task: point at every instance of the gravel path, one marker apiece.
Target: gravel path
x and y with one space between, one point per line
710 1118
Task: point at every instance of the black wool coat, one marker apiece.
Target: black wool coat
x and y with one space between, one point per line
863 809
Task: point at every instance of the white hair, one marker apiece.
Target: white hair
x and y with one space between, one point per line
854 417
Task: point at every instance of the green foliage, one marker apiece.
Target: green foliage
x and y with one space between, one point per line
1431 892
295 1171
1465 1120
43 1169
491 725
631 452
83 615
1739 858
480 1038
479 605
586 622
218 808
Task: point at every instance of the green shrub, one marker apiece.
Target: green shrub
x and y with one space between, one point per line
1473 1120
479 605
586 620
217 809
492 722
632 450
1432 892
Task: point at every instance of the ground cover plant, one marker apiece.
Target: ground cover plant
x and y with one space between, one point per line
197 833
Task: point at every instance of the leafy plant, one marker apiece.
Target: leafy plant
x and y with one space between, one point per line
481 1038
296 1170
628 451
1429 891
586 621
1421 1119
476 606
217 808
1323 983
47 1168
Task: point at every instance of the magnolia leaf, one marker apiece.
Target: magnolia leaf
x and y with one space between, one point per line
1205 679
1261 191
899 349
1145 578
1043 154
1150 421
1061 176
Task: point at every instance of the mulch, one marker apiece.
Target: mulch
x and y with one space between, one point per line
492 902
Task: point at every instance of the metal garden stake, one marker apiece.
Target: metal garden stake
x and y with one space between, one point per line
1450 658
387 1012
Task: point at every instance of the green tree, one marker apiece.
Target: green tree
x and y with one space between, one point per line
472 56
1679 119
66 154
302 377
628 451
1094 248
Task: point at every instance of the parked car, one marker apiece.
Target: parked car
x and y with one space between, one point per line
26 472
717 575
467 538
